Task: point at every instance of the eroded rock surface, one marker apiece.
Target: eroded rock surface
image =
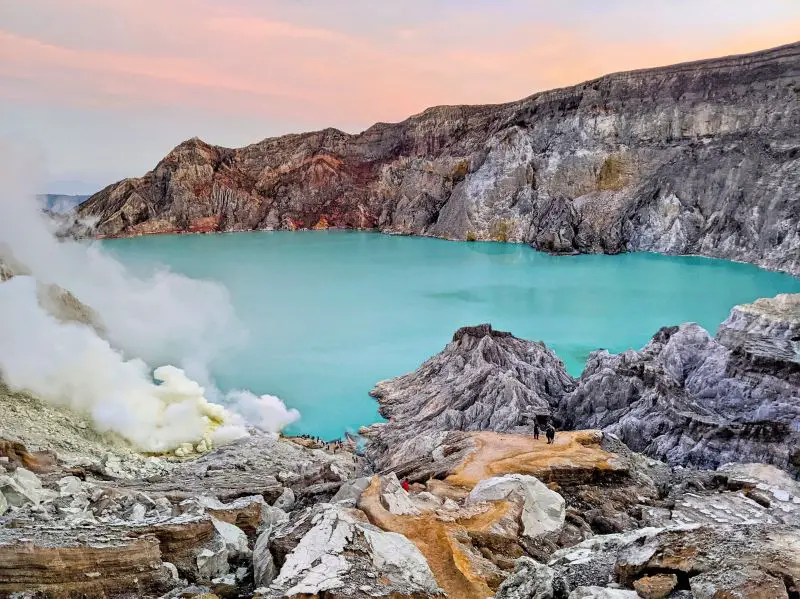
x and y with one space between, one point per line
697 158
483 380
694 399
333 551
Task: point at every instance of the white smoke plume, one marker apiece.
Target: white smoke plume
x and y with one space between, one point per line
162 318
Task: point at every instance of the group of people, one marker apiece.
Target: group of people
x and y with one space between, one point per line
334 446
549 431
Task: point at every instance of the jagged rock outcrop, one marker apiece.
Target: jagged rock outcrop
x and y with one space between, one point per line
333 551
483 380
690 398
695 158
768 328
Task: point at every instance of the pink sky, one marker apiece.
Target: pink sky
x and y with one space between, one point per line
101 89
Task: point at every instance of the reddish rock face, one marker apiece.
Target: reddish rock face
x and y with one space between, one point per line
631 161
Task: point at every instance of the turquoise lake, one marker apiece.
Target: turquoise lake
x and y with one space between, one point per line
330 313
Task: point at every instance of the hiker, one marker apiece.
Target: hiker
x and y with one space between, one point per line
536 430
550 432
404 484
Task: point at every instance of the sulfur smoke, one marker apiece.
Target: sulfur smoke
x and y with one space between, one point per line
115 373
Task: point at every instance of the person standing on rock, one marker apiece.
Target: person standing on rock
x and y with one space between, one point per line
535 430
550 432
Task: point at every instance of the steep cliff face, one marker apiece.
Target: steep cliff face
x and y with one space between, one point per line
697 158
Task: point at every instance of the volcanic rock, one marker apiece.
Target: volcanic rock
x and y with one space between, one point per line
695 158
692 399
334 551
483 380
543 510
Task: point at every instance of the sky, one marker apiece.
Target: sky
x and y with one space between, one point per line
99 90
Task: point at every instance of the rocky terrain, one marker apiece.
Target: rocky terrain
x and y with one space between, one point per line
696 158
687 397
453 497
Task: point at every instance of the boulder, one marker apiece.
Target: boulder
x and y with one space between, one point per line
350 491
234 538
542 511
264 569
334 550
22 487
286 500
212 561
658 586
395 498
530 580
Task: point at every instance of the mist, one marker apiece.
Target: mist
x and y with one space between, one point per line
146 372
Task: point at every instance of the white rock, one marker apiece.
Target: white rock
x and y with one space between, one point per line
350 491
212 562
172 570
395 498
234 538
264 570
543 510
449 504
602 593
286 500
21 488
271 517
70 485
138 512
341 550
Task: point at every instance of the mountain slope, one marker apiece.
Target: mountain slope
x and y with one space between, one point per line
696 158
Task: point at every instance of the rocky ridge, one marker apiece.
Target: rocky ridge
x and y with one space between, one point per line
687 397
695 158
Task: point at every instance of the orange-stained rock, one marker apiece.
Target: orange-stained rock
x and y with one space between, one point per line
574 457
470 550
38 461
658 586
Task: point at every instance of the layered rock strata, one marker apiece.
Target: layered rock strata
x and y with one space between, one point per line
695 158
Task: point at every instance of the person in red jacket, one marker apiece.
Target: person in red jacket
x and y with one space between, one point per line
404 484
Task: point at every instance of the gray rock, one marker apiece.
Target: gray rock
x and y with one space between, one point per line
234 538
542 509
350 491
602 593
697 158
530 580
264 570
212 561
483 380
690 399
395 499
286 500
767 328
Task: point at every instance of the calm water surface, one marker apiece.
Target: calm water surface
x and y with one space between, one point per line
330 313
